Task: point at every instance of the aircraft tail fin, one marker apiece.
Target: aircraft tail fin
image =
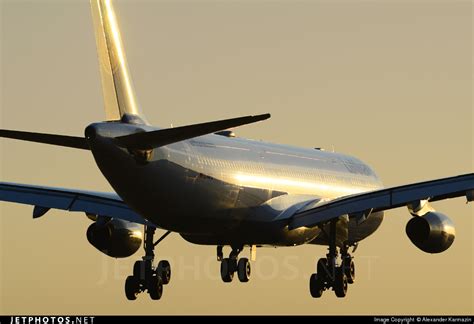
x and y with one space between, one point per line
119 96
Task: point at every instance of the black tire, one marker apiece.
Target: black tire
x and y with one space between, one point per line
349 268
132 287
227 270
137 269
316 287
323 270
155 287
244 270
142 270
164 271
340 284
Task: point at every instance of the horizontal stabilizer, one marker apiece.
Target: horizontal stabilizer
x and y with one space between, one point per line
60 140
162 137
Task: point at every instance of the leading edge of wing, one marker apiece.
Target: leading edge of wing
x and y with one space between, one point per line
95 203
384 199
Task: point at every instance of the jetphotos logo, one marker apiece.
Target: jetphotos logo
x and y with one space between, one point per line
52 320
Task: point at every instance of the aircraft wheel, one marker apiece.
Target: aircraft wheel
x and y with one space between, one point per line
316 286
132 287
349 268
155 287
340 283
227 269
163 270
243 270
142 269
137 269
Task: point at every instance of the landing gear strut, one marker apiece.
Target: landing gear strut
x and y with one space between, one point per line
331 275
145 276
232 264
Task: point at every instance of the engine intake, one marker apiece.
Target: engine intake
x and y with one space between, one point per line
115 238
432 232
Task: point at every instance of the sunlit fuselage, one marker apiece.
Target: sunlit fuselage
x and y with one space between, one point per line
224 190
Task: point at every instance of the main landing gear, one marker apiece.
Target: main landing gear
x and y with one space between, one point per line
331 275
145 276
232 264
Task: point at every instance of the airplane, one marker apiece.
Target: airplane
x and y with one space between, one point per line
214 188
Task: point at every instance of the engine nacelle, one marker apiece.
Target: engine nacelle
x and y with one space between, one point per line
432 232
115 238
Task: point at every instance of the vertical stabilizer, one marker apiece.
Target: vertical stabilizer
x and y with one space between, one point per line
119 96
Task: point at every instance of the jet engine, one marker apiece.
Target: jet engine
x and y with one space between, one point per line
115 238
432 232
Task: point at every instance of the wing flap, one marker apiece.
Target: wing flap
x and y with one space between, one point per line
384 199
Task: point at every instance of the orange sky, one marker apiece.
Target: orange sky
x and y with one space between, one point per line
387 81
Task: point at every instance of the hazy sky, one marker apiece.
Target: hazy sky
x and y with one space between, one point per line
387 81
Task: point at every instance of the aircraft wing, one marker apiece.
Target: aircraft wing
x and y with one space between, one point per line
361 205
89 202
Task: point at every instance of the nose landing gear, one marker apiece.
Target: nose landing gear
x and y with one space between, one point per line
232 264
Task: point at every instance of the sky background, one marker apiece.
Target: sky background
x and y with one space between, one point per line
387 81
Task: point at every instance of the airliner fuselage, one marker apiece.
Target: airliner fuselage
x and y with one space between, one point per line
225 190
